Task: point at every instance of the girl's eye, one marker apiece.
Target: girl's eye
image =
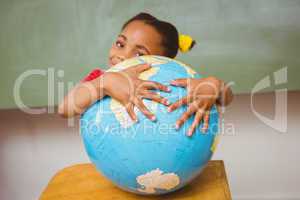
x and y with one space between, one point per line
119 44
139 54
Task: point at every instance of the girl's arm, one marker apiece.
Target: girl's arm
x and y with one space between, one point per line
82 96
124 86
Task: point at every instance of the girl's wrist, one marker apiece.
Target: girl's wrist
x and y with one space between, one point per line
218 84
100 84
105 85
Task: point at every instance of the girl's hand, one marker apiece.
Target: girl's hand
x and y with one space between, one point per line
202 94
129 90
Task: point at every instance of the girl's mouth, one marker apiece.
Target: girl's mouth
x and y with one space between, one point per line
110 62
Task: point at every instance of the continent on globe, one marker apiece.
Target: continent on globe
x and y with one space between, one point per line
155 179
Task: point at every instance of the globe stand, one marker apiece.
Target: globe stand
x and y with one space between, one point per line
83 182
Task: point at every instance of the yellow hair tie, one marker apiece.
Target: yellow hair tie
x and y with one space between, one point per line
186 42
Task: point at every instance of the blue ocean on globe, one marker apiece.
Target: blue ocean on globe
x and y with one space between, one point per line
148 157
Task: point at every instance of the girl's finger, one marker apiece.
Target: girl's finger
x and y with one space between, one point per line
141 106
178 103
205 121
156 97
140 68
130 111
185 116
196 122
155 85
181 82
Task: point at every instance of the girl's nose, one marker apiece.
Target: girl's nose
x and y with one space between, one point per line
126 54
123 55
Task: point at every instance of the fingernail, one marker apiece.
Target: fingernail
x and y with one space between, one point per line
168 103
153 118
169 109
168 89
176 126
189 133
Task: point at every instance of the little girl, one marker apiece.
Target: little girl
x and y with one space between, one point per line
146 35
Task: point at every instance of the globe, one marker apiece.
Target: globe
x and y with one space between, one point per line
148 157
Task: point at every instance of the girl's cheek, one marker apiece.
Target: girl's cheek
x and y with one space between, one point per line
111 49
114 50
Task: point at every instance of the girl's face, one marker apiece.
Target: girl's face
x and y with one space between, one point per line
136 39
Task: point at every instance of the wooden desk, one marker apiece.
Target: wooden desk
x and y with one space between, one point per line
83 182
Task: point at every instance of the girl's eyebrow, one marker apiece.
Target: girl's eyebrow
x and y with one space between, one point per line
143 48
123 36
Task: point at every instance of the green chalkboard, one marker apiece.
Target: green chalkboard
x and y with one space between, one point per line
239 41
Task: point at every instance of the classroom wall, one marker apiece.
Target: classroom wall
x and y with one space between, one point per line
261 163
238 41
